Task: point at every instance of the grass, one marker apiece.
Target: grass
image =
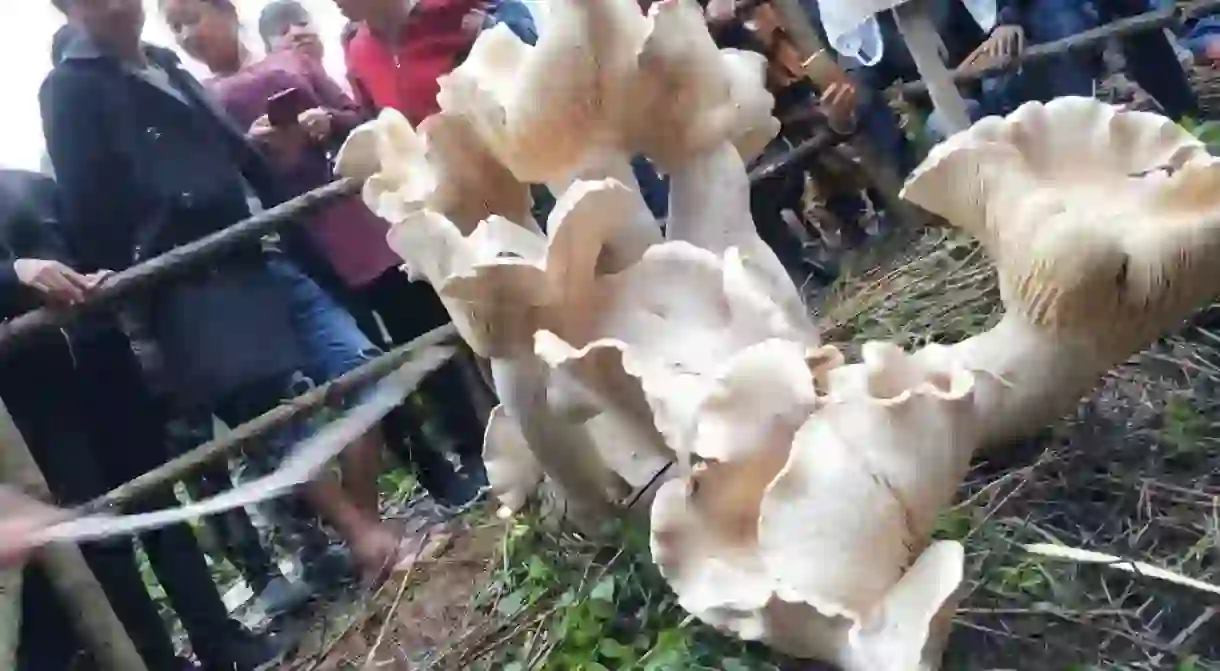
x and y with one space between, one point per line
1133 472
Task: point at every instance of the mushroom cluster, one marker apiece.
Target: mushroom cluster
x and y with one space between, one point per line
791 495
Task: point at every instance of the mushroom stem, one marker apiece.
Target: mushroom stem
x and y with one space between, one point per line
1044 375
565 450
643 231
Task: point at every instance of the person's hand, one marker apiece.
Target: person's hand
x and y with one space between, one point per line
475 20
55 281
21 518
720 11
316 123
1005 43
282 145
838 103
1211 51
95 280
261 130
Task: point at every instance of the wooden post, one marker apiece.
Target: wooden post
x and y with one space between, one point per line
78 589
915 23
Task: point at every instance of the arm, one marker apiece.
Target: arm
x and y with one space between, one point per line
89 172
345 113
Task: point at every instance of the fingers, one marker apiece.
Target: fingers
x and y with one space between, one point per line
61 289
96 279
61 283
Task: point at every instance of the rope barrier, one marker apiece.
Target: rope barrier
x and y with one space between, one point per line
298 408
172 263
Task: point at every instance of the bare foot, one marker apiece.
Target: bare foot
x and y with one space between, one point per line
383 551
376 551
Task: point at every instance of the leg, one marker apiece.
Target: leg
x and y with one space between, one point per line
334 345
410 309
767 201
235 533
1152 62
69 461
130 431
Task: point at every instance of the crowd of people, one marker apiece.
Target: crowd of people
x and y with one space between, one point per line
147 158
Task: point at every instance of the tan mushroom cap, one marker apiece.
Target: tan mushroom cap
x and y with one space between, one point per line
1102 222
444 167
867 476
603 79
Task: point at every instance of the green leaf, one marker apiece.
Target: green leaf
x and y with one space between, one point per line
733 664
604 590
538 570
512 603
612 649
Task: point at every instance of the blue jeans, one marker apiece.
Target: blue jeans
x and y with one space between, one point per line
330 340
332 344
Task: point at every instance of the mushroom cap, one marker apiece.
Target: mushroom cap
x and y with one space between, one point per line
806 524
1103 223
605 78
444 166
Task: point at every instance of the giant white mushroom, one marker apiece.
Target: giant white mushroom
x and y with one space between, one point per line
806 488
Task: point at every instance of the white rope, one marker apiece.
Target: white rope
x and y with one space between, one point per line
303 464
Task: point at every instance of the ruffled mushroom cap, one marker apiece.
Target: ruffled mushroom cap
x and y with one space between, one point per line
1104 224
444 167
606 79
705 528
822 530
671 321
690 97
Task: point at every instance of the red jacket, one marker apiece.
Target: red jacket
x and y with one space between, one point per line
404 75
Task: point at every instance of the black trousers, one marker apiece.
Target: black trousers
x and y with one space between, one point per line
233 533
120 434
409 310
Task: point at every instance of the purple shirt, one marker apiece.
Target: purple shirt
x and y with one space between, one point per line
352 237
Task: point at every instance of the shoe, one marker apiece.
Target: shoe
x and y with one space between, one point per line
281 597
329 571
248 652
458 492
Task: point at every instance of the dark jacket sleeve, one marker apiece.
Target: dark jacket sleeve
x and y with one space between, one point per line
10 289
1010 12
29 230
89 170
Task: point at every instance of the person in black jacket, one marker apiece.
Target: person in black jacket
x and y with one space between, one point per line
147 163
75 395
